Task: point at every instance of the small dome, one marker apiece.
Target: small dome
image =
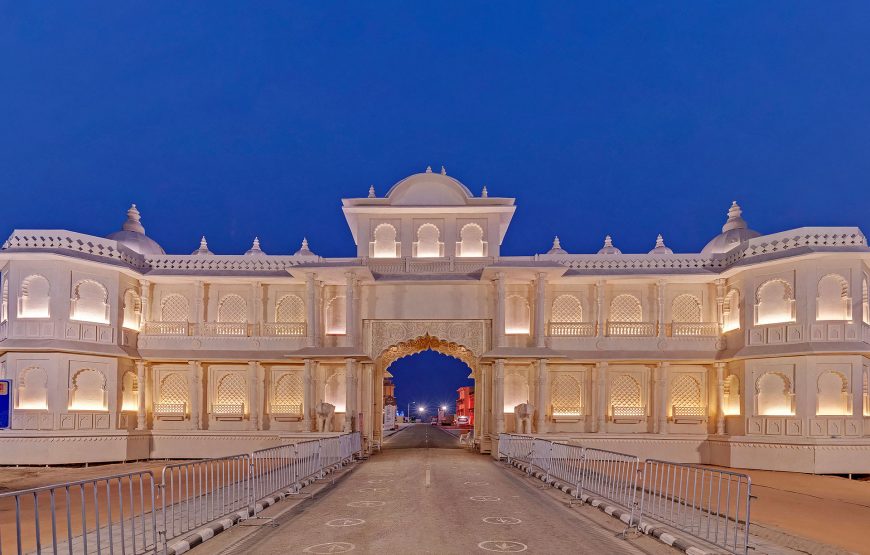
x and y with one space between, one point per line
660 247
734 232
608 247
203 248
557 247
255 249
132 235
304 251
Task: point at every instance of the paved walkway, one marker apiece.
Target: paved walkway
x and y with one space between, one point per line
440 499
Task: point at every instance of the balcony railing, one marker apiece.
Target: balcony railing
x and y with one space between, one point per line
166 328
632 329
572 329
226 329
283 329
694 329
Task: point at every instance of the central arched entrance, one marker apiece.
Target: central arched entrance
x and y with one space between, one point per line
408 348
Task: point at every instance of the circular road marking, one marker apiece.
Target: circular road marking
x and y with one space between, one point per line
502 546
476 483
501 520
372 490
366 504
380 481
345 522
331 547
485 498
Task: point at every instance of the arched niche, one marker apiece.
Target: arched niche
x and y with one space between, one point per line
832 300
90 302
385 242
471 241
88 391
129 392
774 303
833 396
335 316
774 395
516 391
132 310
34 297
32 389
517 315
566 396
731 311
428 243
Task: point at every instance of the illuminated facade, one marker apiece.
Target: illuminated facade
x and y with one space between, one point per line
754 347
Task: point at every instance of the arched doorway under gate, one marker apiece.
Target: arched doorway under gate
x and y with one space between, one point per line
407 348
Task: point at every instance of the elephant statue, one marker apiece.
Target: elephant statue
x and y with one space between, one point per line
324 416
523 414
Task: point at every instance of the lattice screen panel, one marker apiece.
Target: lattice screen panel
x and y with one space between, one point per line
625 308
174 308
686 392
625 392
233 309
232 389
686 308
567 395
288 390
567 309
290 309
173 390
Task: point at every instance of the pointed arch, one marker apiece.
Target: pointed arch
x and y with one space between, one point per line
518 315
731 311
132 309
90 302
471 241
385 242
88 391
129 391
34 297
335 316
833 301
774 302
428 243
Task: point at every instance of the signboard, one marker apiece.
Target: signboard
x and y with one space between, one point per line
389 417
5 404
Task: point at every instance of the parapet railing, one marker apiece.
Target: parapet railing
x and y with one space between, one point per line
709 504
133 514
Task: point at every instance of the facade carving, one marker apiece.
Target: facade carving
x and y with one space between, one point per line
753 345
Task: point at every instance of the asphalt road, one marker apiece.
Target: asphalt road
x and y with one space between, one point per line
414 499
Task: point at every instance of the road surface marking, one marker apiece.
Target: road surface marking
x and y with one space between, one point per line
380 481
501 520
476 483
366 504
502 546
331 547
373 490
485 498
345 522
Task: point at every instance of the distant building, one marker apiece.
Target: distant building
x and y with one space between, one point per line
465 403
389 404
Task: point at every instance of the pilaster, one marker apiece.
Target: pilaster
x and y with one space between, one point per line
599 308
196 398
543 396
307 390
499 309
498 396
350 312
601 397
660 308
540 299
145 295
140 403
661 406
310 309
720 398
254 417
350 394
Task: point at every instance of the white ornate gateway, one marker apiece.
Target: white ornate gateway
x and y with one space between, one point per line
754 347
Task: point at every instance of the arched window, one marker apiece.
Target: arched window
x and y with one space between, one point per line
518 316
471 241
625 308
686 309
174 395
732 396
567 396
34 297
233 309
731 311
687 399
335 317
129 392
626 400
833 301
567 309
428 244
516 391
833 395
174 308
774 303
290 309
335 391
231 395
32 389
132 309
385 244
4 299
90 302
287 395
88 391
773 395
865 300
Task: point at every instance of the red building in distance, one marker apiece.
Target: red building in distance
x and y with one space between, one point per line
465 404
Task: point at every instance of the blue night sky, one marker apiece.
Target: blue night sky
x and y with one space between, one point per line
235 119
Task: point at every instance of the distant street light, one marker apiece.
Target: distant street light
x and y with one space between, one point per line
421 409
443 407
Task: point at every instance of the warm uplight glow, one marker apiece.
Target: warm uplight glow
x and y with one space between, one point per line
517 330
774 318
32 405
130 405
92 316
87 405
730 326
778 411
34 312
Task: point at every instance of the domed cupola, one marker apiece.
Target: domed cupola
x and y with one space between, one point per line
203 248
608 247
132 235
255 249
660 247
734 232
304 250
557 247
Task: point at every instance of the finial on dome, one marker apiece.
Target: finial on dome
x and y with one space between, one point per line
608 247
255 248
557 247
203 247
484 193
443 170
660 241
735 218
134 221
660 247
372 192
608 241
304 251
428 169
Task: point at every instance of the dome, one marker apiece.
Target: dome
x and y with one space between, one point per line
203 248
304 250
557 247
255 249
734 232
660 247
429 189
132 235
608 247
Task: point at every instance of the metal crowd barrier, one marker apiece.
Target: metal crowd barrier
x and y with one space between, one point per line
709 504
122 514
704 502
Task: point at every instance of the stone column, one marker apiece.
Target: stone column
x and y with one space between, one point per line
199 306
720 302
318 314
307 401
196 398
499 309
257 294
601 397
350 394
140 404
661 389
261 395
350 316
660 308
498 396
540 295
254 419
543 396
310 309
599 308
720 398
145 296
368 419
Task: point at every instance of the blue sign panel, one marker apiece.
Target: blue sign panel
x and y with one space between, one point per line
5 403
